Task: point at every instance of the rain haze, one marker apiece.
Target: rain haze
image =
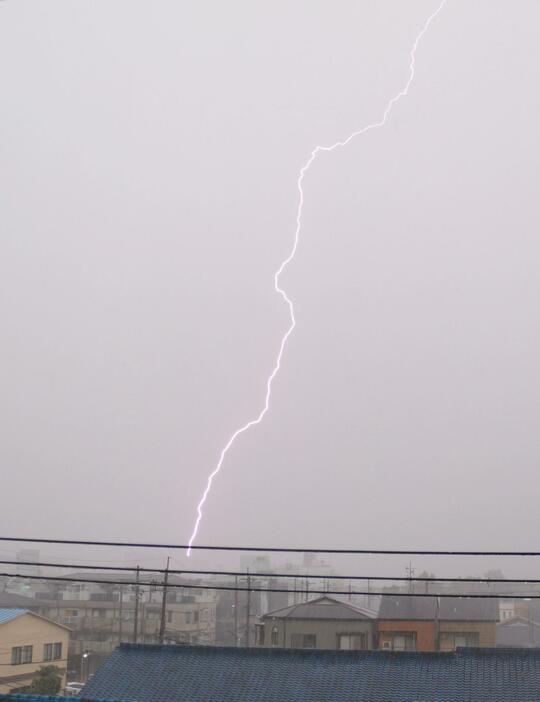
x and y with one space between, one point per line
149 160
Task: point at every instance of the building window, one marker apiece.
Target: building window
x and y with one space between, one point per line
466 639
52 651
21 654
274 634
188 617
169 617
352 642
196 617
71 613
400 641
303 641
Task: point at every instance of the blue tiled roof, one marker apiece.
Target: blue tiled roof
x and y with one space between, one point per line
209 674
9 613
11 697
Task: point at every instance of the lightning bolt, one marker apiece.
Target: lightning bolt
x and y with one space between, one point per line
300 185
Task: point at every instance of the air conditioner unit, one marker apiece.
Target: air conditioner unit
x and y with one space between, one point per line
387 645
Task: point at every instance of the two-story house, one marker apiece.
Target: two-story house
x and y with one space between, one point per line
27 642
470 622
322 623
436 624
407 623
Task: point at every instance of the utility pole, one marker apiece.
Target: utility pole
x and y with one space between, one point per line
136 622
121 614
164 603
410 573
248 607
236 610
437 625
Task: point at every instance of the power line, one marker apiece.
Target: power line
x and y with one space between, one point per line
235 573
273 549
232 588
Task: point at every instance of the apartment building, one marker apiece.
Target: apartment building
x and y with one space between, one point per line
102 615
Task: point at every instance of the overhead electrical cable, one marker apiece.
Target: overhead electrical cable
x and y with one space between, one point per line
252 574
299 590
273 549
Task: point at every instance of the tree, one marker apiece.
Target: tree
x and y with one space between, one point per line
47 681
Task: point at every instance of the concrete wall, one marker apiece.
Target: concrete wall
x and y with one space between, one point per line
29 630
326 631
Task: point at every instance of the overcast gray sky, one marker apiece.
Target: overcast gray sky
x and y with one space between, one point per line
149 153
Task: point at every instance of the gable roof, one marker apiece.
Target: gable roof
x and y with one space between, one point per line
402 607
324 607
9 613
518 621
209 674
447 609
476 609
518 632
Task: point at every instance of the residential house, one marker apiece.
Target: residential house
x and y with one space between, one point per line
28 641
101 615
407 623
436 623
208 674
470 622
508 609
324 623
518 632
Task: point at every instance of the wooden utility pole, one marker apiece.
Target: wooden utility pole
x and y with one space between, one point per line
164 603
136 622
248 607
236 610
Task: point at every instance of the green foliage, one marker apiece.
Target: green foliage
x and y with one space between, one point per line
47 681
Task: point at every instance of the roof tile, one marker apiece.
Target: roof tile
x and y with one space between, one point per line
210 674
7 614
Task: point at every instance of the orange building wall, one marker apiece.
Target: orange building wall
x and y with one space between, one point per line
425 632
